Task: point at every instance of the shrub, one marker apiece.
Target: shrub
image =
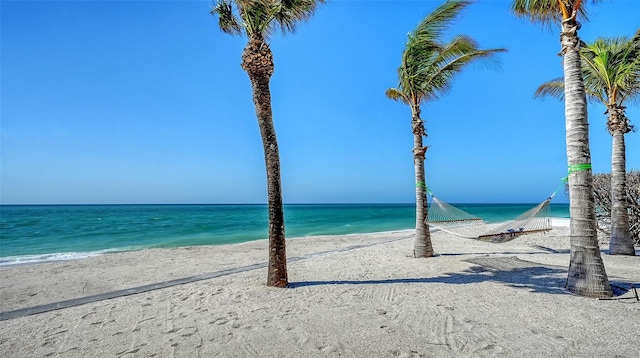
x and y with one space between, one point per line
602 194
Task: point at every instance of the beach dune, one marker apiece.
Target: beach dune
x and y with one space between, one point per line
350 296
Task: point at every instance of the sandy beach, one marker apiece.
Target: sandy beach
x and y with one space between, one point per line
350 296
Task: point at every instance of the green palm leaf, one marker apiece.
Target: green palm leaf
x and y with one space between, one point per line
426 71
428 66
397 95
263 17
611 72
549 12
227 20
432 27
437 77
290 12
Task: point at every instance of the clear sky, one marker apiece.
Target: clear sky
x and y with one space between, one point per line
145 102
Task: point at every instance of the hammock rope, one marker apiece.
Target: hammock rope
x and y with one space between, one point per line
536 219
451 219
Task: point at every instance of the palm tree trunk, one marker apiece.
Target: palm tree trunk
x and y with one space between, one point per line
586 276
422 245
257 60
621 242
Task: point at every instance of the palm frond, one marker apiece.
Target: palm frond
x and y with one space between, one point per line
265 17
553 88
543 11
423 45
428 66
432 27
629 71
425 38
291 12
436 77
610 69
227 20
397 95
257 16
596 73
549 12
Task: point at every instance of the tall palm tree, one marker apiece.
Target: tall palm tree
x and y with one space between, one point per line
426 72
611 71
257 19
587 275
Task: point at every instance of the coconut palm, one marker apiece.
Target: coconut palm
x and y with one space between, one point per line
257 19
611 71
587 275
426 72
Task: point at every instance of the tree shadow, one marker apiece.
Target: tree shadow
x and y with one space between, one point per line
509 270
620 288
608 252
539 279
547 251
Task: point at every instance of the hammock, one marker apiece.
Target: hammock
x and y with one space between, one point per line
455 221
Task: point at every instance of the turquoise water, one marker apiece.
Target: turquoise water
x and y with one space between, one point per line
57 232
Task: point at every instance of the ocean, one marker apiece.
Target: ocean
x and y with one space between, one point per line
37 233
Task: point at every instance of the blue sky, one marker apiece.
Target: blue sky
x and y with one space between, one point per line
145 102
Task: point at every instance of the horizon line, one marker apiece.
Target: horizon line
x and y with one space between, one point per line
285 204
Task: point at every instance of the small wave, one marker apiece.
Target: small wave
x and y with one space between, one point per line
62 256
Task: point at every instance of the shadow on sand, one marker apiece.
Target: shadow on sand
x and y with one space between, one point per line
538 279
510 271
549 251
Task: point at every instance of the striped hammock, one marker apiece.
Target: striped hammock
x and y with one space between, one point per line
458 222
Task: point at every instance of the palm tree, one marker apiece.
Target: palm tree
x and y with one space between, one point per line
426 72
587 275
257 19
611 71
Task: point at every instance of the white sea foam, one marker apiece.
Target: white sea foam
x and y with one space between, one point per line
561 222
62 256
32 259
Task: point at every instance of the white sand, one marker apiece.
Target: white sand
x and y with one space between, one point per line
474 299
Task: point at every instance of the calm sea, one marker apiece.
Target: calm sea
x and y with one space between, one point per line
61 232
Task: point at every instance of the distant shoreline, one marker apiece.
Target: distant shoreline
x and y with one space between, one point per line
265 204
72 256
69 232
